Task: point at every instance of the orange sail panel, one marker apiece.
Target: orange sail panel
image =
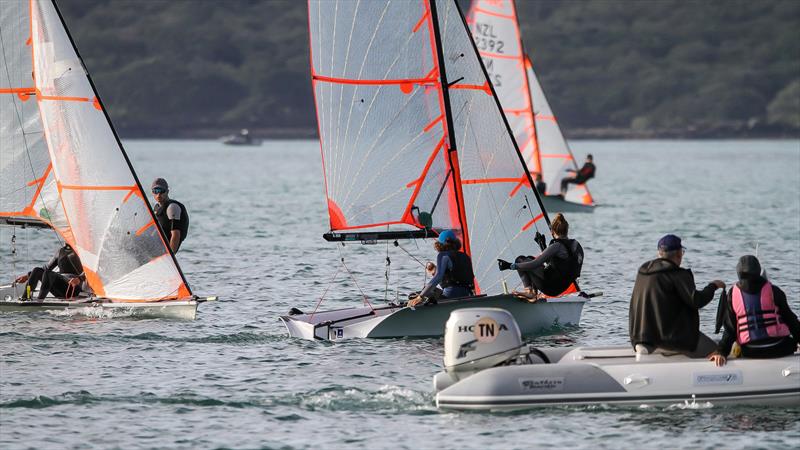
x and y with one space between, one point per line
62 164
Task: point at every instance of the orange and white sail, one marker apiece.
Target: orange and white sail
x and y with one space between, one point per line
410 128
495 29
62 163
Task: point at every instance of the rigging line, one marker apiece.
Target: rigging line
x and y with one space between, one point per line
386 273
352 277
325 292
397 244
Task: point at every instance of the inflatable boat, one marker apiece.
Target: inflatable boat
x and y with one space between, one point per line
487 367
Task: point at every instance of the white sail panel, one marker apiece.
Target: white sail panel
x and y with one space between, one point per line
502 211
112 229
379 114
495 30
26 188
555 154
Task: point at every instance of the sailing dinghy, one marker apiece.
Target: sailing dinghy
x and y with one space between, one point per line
495 29
414 142
63 167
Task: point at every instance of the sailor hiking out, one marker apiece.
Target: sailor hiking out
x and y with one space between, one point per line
555 269
452 271
756 315
581 176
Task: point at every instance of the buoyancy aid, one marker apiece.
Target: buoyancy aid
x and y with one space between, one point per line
461 273
168 225
757 317
561 273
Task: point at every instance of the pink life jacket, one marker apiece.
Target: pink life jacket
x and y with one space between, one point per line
757 316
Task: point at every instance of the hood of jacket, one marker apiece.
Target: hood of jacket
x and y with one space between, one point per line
659 265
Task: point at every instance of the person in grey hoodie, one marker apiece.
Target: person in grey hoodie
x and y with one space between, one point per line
664 309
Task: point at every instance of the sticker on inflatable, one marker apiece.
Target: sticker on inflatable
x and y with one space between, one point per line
542 384
486 329
718 378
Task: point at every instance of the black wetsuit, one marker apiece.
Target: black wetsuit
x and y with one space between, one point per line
167 224
57 283
582 176
564 258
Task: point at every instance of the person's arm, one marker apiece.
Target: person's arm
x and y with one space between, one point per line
53 262
692 297
174 215
728 329
175 240
787 315
442 264
548 254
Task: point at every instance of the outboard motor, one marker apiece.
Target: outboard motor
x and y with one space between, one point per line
479 338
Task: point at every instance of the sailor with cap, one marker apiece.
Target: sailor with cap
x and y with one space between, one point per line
170 214
453 271
664 308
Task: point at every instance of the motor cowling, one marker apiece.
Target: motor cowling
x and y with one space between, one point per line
479 338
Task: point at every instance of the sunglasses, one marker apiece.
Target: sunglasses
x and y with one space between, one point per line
158 190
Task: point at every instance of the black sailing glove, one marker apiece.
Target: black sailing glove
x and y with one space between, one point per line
503 265
540 239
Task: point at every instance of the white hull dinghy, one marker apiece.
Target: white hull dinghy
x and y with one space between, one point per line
495 29
64 169
414 142
489 368
428 321
10 301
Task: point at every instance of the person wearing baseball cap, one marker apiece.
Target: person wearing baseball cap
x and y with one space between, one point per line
665 304
171 215
453 271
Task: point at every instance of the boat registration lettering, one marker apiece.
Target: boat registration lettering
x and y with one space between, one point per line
336 333
718 378
542 384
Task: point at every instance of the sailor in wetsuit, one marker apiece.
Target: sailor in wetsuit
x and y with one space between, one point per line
541 186
453 271
582 176
171 215
67 283
555 269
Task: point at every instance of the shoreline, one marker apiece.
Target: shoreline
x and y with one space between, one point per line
300 133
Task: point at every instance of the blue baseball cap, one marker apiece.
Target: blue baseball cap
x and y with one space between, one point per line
669 243
446 235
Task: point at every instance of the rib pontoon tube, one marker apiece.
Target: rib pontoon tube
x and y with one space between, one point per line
596 375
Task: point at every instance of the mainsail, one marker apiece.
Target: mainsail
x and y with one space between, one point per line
62 163
411 131
495 29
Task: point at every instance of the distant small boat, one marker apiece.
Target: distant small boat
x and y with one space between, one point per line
495 30
241 138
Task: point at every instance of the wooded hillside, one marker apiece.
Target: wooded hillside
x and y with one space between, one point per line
609 67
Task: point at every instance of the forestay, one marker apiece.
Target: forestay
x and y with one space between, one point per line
65 165
409 126
495 29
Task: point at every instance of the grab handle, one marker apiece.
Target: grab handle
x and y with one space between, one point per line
636 379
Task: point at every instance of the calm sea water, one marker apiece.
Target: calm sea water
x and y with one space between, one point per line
233 379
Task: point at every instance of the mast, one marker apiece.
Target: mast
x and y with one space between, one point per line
452 152
121 148
505 120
